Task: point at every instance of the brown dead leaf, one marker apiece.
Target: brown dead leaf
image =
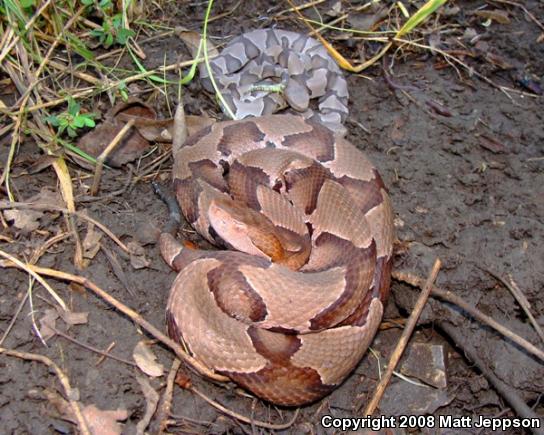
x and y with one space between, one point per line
192 40
104 422
196 123
95 141
138 259
118 269
146 360
48 324
41 163
397 130
497 15
161 130
492 144
182 380
28 220
47 197
73 318
24 220
369 19
99 422
91 242
133 143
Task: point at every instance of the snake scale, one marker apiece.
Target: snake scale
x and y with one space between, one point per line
289 309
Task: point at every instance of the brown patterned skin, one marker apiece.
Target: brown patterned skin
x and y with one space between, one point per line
290 317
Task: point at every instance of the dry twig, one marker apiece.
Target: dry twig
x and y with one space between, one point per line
29 206
507 392
107 151
163 413
403 341
133 315
62 378
474 312
520 298
243 418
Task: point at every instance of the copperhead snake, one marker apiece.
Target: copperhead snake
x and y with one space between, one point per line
298 63
290 317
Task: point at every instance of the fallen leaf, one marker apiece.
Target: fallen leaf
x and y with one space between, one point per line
95 141
183 381
146 360
99 422
492 144
91 242
367 21
497 15
192 41
25 220
133 143
48 197
48 324
40 164
73 318
104 422
138 259
161 130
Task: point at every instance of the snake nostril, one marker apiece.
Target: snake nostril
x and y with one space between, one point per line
226 167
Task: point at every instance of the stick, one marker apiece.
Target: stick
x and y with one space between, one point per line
243 418
163 413
508 393
104 155
62 378
403 341
521 299
133 315
47 207
474 312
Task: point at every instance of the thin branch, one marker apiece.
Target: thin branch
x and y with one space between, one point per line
403 341
243 418
474 312
62 378
133 315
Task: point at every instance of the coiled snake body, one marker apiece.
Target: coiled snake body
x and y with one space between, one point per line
291 316
298 63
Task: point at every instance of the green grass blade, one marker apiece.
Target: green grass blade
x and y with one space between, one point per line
421 15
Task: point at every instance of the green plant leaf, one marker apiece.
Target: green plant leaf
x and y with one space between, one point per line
78 122
421 15
79 47
123 35
108 42
73 107
76 150
27 3
89 122
71 132
53 120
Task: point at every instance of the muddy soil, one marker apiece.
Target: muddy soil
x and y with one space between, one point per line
464 163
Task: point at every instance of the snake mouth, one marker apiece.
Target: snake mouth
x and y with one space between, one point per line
232 224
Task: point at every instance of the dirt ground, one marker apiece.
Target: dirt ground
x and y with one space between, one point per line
464 163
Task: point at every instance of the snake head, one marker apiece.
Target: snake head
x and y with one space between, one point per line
244 229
